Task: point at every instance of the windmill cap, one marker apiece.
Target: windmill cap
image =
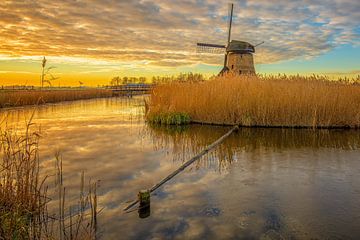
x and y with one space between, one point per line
240 47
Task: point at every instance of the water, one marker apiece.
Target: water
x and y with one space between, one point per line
259 184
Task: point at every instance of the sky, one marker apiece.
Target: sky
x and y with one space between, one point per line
93 41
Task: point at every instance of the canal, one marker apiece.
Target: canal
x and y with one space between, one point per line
259 184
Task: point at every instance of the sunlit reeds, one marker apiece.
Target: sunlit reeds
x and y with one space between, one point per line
24 195
30 97
269 101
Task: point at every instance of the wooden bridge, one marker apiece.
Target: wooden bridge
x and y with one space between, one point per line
131 89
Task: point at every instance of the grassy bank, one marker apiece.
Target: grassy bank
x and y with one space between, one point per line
169 118
31 97
24 195
269 101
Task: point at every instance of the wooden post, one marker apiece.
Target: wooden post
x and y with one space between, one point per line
144 198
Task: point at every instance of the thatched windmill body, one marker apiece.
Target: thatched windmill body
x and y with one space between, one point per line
238 54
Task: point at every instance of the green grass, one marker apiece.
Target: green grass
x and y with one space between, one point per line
169 118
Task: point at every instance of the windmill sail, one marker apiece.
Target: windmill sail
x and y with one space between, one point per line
231 9
210 48
256 45
210 45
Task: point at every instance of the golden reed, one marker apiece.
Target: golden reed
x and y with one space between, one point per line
31 97
269 101
24 197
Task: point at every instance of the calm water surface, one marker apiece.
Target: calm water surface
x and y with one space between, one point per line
259 184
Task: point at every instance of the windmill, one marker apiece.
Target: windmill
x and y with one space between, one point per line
238 54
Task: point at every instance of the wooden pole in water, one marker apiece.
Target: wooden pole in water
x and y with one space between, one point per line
144 198
144 202
185 165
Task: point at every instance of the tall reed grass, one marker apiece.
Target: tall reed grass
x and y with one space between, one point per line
31 97
269 101
24 201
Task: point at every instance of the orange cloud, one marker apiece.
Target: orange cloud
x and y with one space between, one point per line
160 33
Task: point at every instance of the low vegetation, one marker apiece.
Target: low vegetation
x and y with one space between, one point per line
268 101
31 97
169 118
117 81
24 199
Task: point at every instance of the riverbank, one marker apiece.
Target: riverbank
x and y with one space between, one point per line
266 101
16 98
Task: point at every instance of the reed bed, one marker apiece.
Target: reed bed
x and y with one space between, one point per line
266 101
24 201
31 97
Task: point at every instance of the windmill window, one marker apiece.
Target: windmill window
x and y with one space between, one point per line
240 71
232 66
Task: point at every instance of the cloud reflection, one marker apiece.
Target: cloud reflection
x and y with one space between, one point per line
261 183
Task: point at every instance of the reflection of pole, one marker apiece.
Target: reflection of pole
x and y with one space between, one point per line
185 165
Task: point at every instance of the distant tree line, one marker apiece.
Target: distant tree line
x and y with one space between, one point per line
182 77
115 81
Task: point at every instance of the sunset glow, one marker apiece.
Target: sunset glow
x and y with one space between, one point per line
93 41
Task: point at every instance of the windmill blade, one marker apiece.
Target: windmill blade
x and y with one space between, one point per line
259 44
210 45
231 9
210 48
